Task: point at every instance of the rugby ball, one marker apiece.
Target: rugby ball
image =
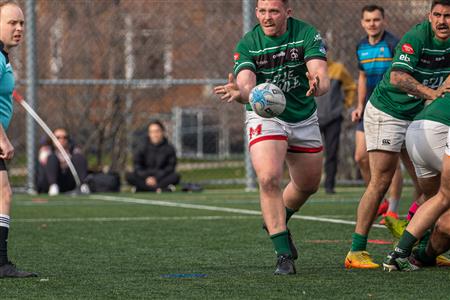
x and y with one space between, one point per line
267 100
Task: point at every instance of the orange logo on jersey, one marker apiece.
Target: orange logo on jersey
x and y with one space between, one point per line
236 56
255 131
407 48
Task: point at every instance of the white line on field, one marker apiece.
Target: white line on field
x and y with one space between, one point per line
123 219
216 208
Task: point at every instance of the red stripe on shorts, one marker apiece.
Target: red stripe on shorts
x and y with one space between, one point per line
268 138
297 149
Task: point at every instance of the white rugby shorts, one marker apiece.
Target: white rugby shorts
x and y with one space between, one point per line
383 131
425 142
302 137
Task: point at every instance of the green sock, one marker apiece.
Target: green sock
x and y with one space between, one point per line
407 241
281 243
289 213
423 257
359 242
424 240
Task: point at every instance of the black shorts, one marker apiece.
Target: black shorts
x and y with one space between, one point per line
2 165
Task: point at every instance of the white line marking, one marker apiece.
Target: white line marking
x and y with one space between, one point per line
217 208
123 219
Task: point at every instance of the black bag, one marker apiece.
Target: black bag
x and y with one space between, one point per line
103 182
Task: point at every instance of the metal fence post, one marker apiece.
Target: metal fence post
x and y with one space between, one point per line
250 176
31 91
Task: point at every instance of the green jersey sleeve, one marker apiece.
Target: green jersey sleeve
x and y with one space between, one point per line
407 53
314 47
242 58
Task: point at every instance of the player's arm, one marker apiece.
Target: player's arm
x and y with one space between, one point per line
362 91
6 148
319 82
410 85
237 89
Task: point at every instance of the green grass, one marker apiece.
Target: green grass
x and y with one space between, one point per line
126 255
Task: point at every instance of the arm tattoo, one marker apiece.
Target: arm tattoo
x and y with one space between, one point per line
408 84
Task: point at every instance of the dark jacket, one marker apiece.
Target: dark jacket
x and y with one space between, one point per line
154 160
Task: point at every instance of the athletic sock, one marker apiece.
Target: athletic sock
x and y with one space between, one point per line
393 205
412 210
289 213
425 258
4 229
407 241
424 240
359 242
281 243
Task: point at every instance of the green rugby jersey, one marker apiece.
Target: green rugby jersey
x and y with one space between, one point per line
425 58
282 61
438 111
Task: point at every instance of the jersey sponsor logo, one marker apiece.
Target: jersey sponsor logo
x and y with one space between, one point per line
255 131
236 56
404 57
281 54
407 48
262 62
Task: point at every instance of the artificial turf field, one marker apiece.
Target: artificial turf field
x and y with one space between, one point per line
195 246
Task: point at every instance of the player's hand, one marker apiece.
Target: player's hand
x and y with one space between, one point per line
6 149
229 92
357 114
151 181
444 88
314 82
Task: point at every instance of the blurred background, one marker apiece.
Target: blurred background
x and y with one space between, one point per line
104 68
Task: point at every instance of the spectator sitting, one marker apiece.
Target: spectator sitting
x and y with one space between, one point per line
53 174
154 162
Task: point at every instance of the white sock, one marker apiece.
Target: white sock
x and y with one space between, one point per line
393 205
4 220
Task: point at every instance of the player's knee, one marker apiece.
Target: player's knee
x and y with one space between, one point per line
6 196
445 196
443 225
361 159
269 183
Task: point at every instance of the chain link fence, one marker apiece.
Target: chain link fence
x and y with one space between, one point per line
104 68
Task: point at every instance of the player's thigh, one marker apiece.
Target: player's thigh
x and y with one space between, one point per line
429 185
5 191
445 176
268 159
383 164
305 169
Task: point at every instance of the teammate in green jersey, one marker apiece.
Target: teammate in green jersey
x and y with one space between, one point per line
420 66
11 33
290 54
426 141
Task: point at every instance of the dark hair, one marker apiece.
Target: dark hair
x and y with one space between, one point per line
371 8
156 122
441 2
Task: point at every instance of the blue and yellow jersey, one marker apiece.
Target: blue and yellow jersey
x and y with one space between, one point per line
6 89
374 60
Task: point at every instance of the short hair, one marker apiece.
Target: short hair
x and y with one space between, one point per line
156 122
441 2
7 2
285 2
373 7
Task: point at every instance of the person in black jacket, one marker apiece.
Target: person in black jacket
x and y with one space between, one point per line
154 162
